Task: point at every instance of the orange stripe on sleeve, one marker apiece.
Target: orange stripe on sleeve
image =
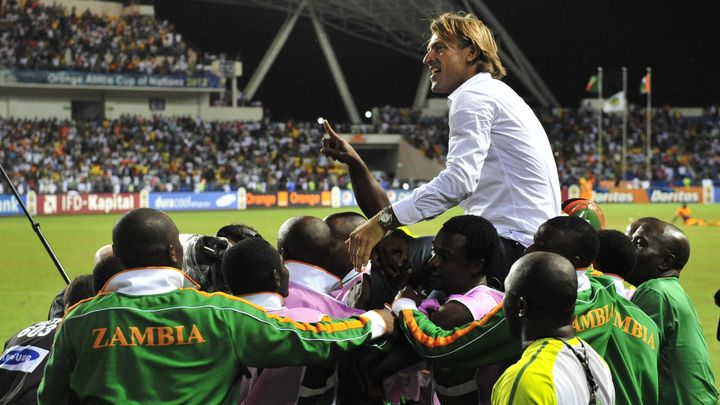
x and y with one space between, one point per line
432 342
327 325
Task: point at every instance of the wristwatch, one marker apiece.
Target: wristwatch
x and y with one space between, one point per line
386 218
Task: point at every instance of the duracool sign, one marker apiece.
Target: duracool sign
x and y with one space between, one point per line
210 200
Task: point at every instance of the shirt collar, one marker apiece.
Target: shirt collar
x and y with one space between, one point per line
148 281
583 279
619 281
270 301
313 277
477 78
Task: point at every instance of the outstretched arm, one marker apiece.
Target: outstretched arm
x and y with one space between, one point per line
476 344
285 342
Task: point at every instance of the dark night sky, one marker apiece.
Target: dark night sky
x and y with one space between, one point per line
564 39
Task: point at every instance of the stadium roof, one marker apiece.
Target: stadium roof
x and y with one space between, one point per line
401 25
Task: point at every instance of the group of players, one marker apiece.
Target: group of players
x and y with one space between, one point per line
298 324
507 304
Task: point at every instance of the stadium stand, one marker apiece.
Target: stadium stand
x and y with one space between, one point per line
37 36
683 147
132 153
165 154
185 154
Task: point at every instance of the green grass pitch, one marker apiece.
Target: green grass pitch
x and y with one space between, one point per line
30 280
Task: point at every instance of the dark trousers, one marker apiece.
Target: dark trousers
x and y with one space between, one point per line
509 251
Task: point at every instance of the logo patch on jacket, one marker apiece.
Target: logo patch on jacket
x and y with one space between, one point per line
22 358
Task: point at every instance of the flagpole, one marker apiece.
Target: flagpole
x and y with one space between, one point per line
648 115
600 124
623 166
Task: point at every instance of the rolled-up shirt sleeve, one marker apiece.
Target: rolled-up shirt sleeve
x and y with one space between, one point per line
469 141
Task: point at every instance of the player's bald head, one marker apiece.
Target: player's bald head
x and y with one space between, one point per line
102 253
146 237
307 239
677 243
633 226
342 224
547 281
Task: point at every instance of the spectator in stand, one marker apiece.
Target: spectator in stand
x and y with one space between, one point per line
51 37
174 154
162 154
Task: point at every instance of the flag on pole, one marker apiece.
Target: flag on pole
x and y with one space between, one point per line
593 84
645 84
616 103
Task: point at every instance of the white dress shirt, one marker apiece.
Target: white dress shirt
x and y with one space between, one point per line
499 164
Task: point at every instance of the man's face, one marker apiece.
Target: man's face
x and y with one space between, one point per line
450 65
647 240
450 271
340 261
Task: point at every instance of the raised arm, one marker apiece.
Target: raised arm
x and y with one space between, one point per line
371 198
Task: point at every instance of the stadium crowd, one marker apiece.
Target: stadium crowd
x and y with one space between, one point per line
38 36
682 147
165 154
184 154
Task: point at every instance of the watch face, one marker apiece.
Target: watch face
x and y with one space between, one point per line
385 218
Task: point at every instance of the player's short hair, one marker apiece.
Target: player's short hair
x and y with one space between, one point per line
466 30
104 270
482 240
617 254
249 266
237 232
80 287
579 239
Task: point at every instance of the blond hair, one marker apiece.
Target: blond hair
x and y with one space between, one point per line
466 30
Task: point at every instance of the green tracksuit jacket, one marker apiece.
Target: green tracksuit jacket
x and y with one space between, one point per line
616 328
150 341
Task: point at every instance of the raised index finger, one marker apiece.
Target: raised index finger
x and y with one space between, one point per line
329 130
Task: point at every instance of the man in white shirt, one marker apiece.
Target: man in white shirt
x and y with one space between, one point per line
499 162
